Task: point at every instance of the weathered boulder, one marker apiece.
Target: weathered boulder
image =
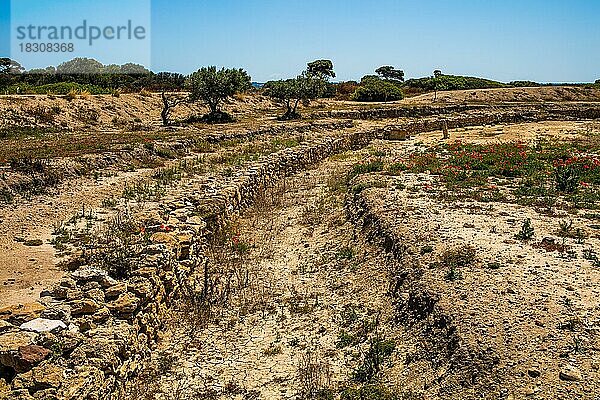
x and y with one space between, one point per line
141 287
115 290
88 273
85 382
102 315
58 311
95 294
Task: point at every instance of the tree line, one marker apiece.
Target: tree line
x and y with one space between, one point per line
213 86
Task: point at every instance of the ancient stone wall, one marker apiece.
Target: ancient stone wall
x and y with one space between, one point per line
90 332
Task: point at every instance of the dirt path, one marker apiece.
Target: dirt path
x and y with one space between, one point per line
309 281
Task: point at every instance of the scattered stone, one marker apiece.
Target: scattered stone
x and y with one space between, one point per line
47 375
88 273
102 315
85 382
5 326
534 371
570 373
57 311
43 325
95 294
24 358
115 290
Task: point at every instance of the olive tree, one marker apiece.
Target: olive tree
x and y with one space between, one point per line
213 87
390 73
169 103
321 69
309 85
291 92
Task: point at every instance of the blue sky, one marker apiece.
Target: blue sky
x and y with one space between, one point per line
542 40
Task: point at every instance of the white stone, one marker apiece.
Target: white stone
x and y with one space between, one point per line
43 325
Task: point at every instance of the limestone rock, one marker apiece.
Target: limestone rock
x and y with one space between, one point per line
115 290
95 294
102 315
83 383
141 287
88 273
43 325
47 376
85 306
59 311
11 341
125 304
17 314
5 326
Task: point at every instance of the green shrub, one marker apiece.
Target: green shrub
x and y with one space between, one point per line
527 231
566 178
365 167
375 89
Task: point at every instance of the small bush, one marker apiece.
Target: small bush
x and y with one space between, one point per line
527 231
369 392
566 179
379 351
461 256
314 378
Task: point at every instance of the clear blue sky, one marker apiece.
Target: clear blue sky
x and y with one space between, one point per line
542 40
